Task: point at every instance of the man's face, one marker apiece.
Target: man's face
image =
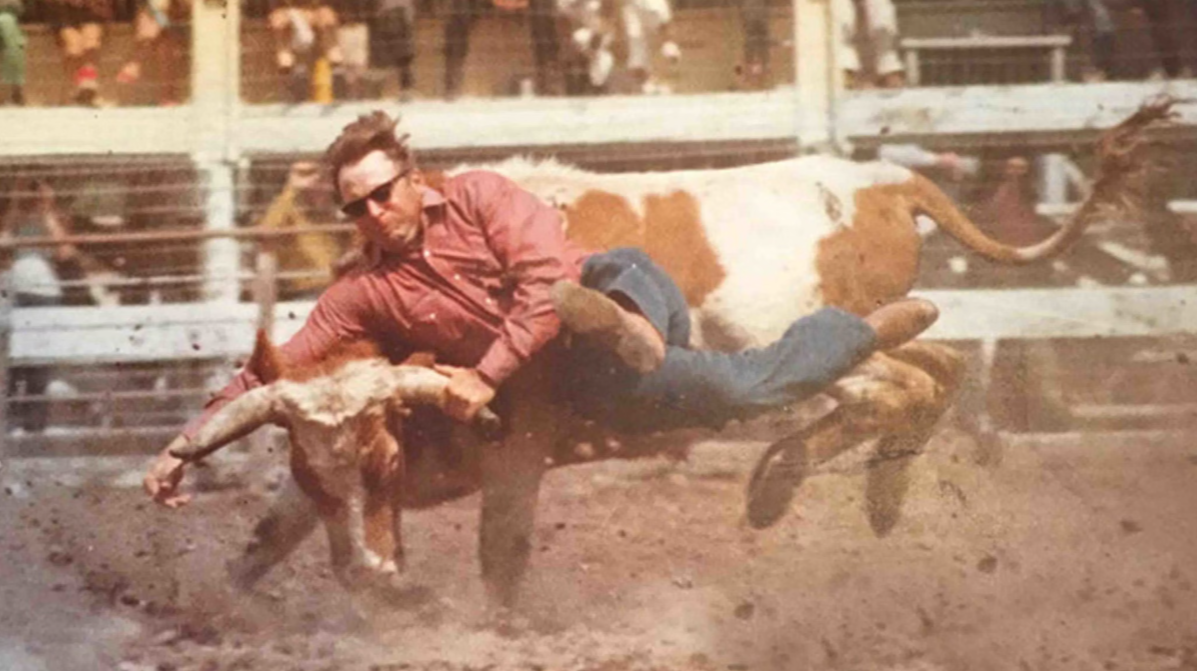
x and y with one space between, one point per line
383 199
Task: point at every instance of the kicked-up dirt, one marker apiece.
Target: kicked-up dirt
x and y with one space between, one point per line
1074 552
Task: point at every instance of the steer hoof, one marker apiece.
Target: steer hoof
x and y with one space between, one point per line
774 480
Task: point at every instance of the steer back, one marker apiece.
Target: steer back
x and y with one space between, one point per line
753 248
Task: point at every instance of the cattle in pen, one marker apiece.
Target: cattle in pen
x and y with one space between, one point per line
752 249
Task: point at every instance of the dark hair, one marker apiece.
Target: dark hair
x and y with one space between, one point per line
370 132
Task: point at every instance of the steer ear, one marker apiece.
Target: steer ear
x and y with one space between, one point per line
266 362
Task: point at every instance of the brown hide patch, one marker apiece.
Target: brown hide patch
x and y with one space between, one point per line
671 233
265 362
310 484
382 474
876 258
340 354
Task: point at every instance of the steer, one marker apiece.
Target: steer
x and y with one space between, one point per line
343 456
752 249
756 247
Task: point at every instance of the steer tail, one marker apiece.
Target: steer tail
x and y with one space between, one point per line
1122 167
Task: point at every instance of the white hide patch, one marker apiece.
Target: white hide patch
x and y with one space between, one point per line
764 222
333 399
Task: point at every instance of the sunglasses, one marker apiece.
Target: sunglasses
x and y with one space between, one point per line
356 209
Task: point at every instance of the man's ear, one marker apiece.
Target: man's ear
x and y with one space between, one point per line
417 177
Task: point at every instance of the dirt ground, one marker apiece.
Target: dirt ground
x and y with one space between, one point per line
1075 552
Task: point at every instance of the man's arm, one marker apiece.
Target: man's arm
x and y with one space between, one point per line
528 239
54 222
339 315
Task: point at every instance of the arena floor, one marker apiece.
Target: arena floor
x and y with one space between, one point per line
1074 552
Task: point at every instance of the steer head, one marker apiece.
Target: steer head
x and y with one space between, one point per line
342 454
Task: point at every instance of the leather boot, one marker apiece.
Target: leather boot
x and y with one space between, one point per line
591 314
901 321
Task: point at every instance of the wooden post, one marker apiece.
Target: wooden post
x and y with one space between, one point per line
913 76
6 302
1058 71
215 101
819 77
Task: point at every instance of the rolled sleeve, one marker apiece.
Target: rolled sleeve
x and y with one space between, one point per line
527 237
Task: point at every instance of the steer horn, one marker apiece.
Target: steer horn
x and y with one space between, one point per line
423 386
239 418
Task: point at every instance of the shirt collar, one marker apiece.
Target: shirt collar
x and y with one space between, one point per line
432 198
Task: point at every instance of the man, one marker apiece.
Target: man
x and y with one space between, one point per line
478 271
79 25
34 281
12 51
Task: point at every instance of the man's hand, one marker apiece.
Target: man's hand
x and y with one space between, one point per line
467 392
162 479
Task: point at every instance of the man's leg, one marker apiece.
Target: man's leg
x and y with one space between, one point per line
457 44
694 388
12 56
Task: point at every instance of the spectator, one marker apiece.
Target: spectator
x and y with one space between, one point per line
589 60
353 42
34 280
159 45
79 26
869 47
1096 16
12 51
948 169
306 200
646 25
1163 35
753 73
542 24
392 41
306 50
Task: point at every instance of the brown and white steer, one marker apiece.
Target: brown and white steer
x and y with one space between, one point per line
752 248
756 247
344 457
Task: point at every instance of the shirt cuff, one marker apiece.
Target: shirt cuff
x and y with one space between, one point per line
499 362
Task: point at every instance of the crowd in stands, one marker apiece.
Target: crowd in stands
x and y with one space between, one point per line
334 50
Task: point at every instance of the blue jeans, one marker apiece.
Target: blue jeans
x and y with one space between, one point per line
695 388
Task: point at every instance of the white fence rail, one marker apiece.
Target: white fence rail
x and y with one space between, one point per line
136 333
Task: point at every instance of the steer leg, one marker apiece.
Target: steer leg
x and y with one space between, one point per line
511 474
925 378
291 518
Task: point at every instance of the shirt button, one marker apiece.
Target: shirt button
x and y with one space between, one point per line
456 276
432 316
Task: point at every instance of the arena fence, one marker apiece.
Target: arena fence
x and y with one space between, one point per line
163 360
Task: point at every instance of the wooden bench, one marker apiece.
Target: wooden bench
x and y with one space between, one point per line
1054 45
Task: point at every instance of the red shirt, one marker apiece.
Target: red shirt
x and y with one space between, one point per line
475 291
